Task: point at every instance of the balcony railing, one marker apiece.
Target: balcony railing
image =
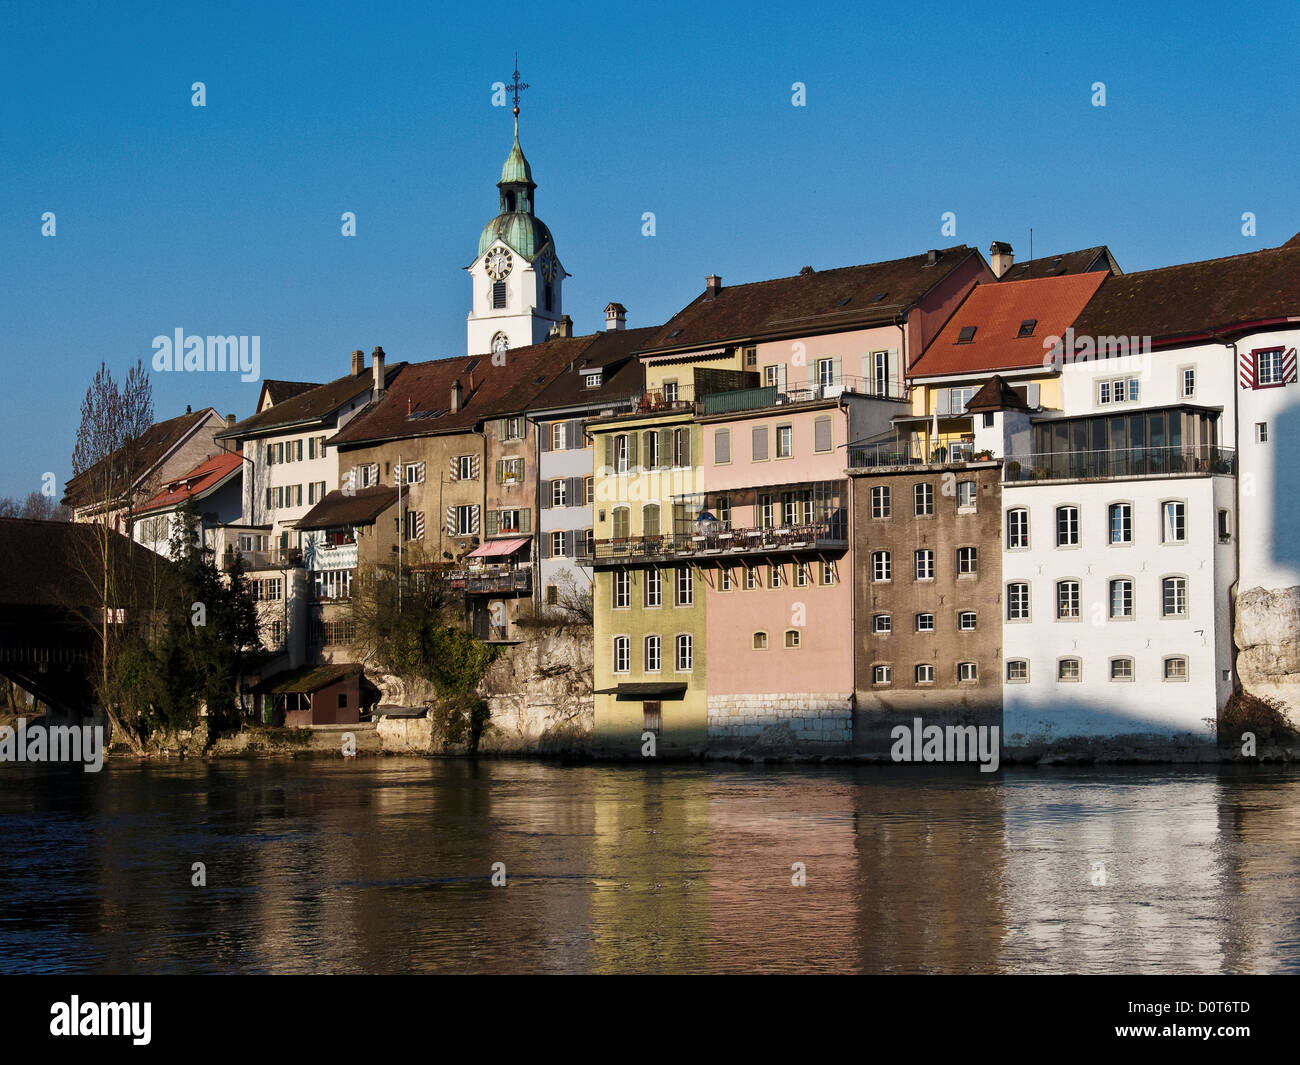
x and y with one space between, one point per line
758 398
720 541
932 450
1130 462
492 580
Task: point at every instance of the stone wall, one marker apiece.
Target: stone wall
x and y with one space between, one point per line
791 721
1268 646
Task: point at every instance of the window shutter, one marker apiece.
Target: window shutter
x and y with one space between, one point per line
570 542
451 521
299 450
631 450
473 518
268 499
609 453
721 445
891 372
501 470
374 473
573 492
545 546
419 525
454 471
760 443
822 433
501 428
941 401
1031 395
526 522
474 464
419 472
546 436
573 434
686 446
665 448
837 371
780 378
548 495
492 519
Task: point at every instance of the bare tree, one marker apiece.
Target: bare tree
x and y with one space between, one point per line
573 601
109 456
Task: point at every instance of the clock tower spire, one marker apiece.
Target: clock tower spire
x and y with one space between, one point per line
516 277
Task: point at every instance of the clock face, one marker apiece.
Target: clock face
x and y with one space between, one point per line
549 267
500 343
498 264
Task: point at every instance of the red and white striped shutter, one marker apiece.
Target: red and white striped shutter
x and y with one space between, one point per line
1246 369
473 518
420 473
455 467
451 521
1289 367
474 463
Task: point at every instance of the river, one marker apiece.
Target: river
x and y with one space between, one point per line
386 865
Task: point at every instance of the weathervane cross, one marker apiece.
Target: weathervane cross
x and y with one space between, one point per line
517 87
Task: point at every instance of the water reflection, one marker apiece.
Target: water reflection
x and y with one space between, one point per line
384 866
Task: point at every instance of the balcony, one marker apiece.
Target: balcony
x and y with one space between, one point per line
944 449
493 580
719 543
1187 461
322 556
275 558
744 399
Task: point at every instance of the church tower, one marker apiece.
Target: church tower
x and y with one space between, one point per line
516 277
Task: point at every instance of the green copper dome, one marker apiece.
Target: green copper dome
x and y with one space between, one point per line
516 169
525 234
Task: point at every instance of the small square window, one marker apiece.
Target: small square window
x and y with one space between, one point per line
881 624
1027 327
966 335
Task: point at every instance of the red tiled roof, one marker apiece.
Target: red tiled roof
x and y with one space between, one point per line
843 298
1194 299
1294 242
418 403
1083 261
205 477
997 311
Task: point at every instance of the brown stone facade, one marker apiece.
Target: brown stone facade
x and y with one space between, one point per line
927 596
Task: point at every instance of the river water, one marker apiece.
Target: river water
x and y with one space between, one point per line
385 865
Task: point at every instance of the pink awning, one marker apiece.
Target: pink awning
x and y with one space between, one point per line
497 548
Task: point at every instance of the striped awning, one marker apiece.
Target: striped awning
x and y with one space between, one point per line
498 548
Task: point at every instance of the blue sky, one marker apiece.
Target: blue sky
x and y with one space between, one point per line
225 219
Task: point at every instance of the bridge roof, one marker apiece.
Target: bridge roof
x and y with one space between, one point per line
52 563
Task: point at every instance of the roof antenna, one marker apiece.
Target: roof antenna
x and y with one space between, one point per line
1031 242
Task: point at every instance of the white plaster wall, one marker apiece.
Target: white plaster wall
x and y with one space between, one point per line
1045 709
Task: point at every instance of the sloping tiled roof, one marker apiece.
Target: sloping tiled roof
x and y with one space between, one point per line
843 298
314 405
1193 299
1294 242
622 374
198 482
997 311
996 395
307 678
358 508
419 402
1083 261
279 391
45 563
151 449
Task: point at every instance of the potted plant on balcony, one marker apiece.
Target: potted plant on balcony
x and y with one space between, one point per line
1013 470
983 456
939 454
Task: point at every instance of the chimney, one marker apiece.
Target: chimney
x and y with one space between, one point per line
455 396
358 363
1001 257
932 257
230 421
377 368
806 271
712 286
615 317
562 328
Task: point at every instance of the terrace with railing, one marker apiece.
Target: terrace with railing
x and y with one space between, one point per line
744 399
493 580
922 451
719 540
1184 461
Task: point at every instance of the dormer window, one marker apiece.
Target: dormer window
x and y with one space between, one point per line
592 380
1027 327
966 335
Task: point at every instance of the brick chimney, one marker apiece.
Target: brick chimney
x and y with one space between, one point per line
562 328
358 363
377 367
615 317
1001 257
455 396
230 421
712 286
